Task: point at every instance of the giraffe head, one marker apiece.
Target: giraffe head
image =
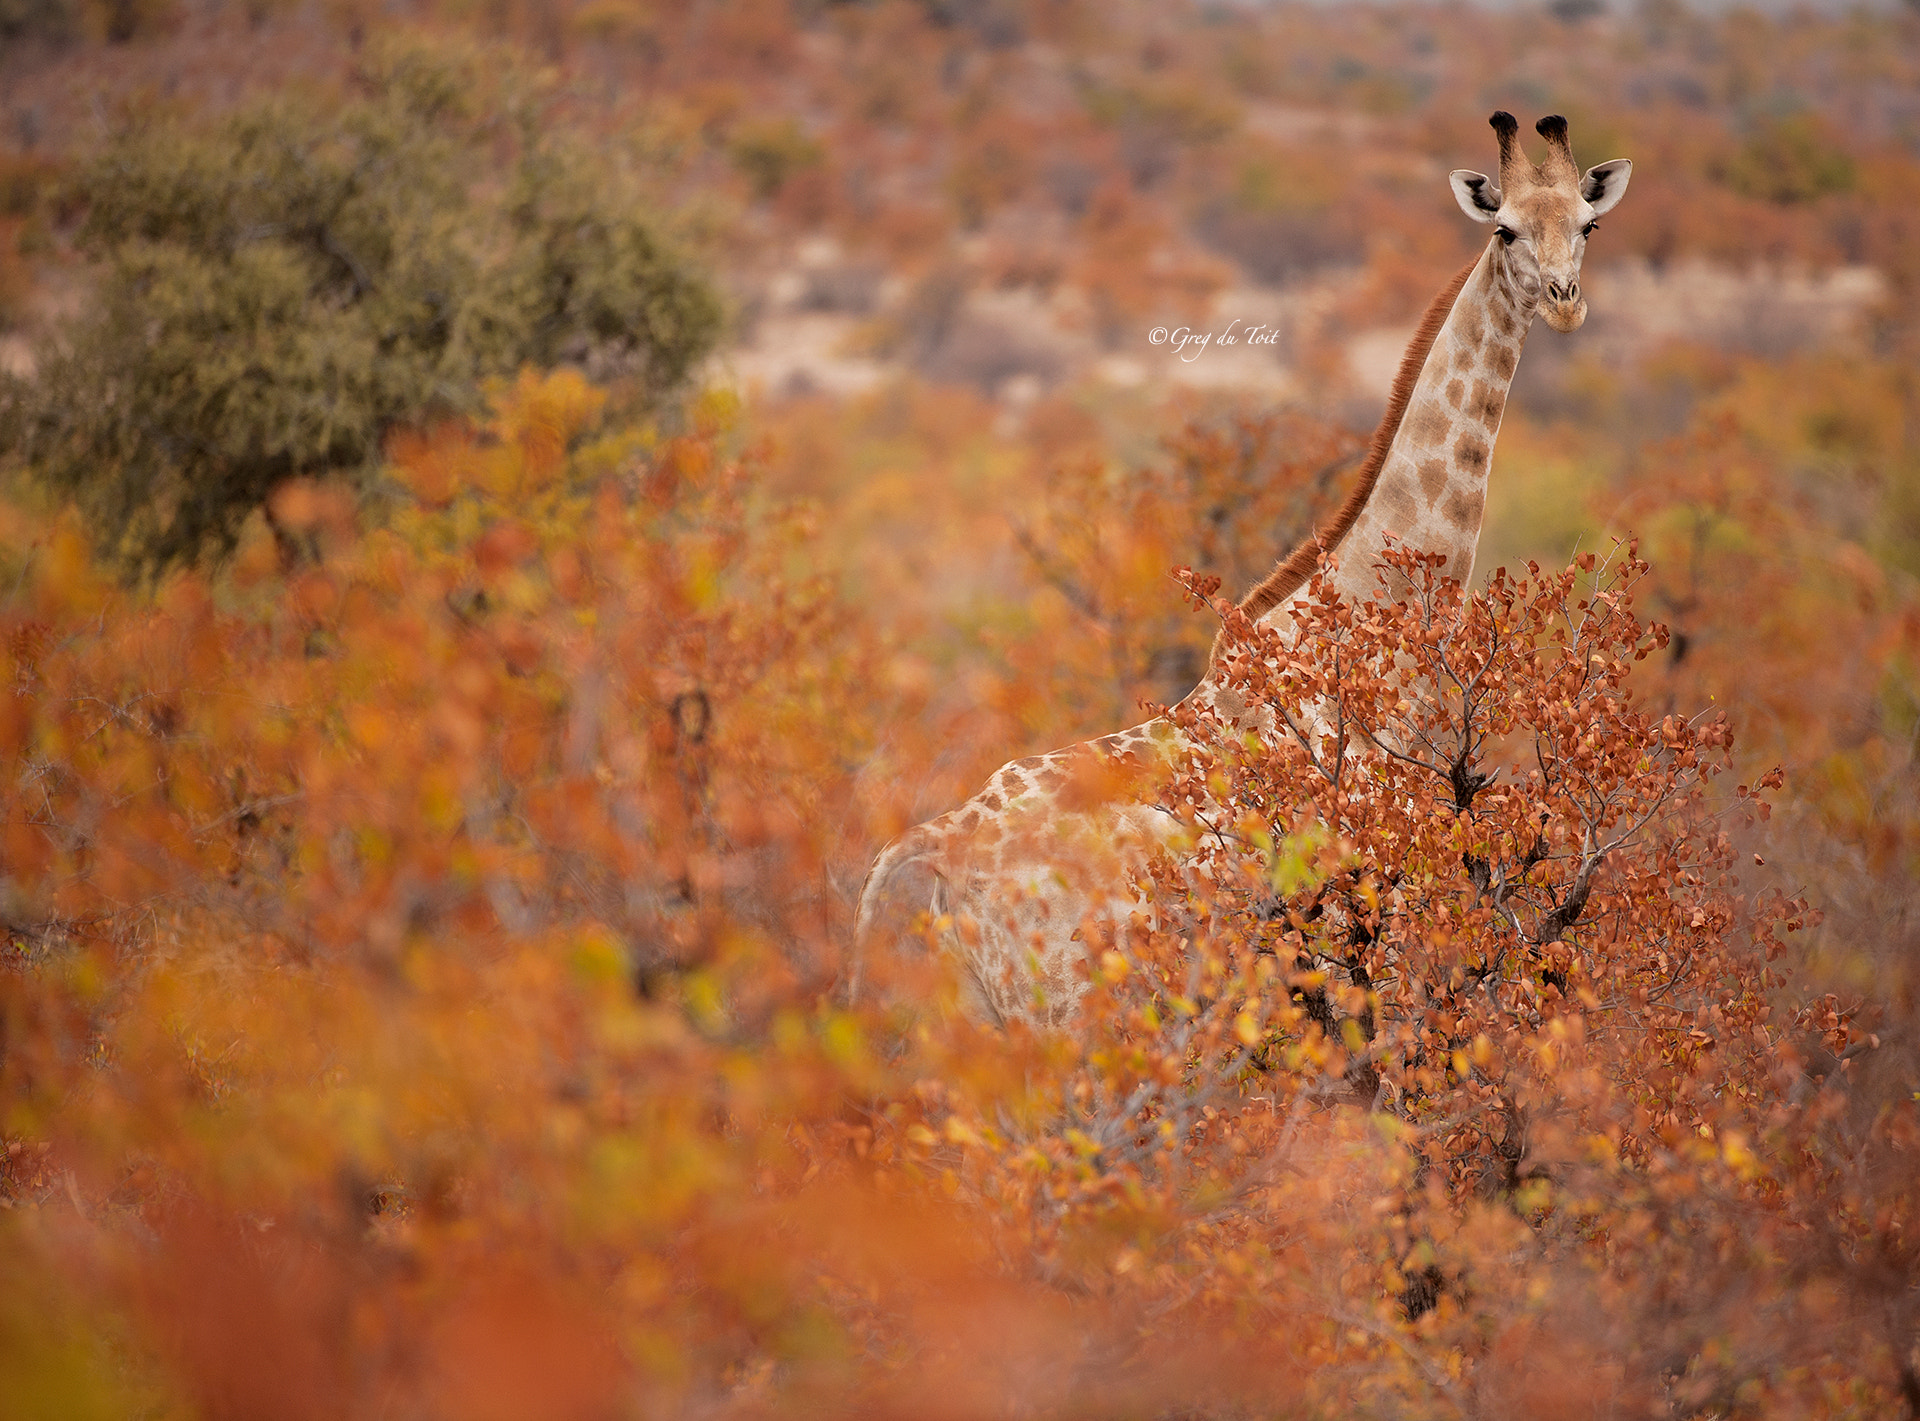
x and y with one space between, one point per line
1543 215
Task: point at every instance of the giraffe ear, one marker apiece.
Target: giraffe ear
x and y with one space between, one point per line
1476 194
1605 184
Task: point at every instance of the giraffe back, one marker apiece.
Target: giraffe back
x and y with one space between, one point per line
1013 880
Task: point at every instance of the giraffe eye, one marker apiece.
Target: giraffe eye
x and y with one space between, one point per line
1507 234
1590 228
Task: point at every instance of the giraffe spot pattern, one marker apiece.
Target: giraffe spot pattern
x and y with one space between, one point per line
1471 451
1433 477
1396 504
1463 507
1503 359
1429 425
1456 392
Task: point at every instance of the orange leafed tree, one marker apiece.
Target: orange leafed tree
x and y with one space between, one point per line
421 999
1485 898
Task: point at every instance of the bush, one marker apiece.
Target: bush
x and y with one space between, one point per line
418 972
278 293
1790 160
769 152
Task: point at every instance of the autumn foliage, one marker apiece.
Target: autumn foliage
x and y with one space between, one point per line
422 997
425 925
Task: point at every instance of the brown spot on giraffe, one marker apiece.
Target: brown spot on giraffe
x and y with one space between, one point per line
1428 425
1229 702
1503 359
1462 508
1489 400
1456 392
1433 477
1470 450
991 803
1396 505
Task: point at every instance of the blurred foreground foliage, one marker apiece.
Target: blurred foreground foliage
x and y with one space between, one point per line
420 999
423 932
281 288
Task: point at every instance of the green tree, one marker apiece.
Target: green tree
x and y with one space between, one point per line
278 292
1790 160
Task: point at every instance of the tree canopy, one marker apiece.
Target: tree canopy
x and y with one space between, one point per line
281 289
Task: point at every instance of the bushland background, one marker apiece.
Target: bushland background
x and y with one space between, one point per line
507 505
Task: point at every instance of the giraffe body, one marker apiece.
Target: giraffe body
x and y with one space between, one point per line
1050 846
1019 869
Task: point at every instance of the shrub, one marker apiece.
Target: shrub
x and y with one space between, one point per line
1790 160
279 293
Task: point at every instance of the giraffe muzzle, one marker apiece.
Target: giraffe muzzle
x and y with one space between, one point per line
1563 305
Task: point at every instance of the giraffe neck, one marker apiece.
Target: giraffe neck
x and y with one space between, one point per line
1432 487
1426 478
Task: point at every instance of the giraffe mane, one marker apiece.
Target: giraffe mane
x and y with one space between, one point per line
1297 566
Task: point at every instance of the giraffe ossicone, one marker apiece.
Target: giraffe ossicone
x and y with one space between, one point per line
1051 844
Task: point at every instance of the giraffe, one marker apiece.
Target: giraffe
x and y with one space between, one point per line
1052 840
